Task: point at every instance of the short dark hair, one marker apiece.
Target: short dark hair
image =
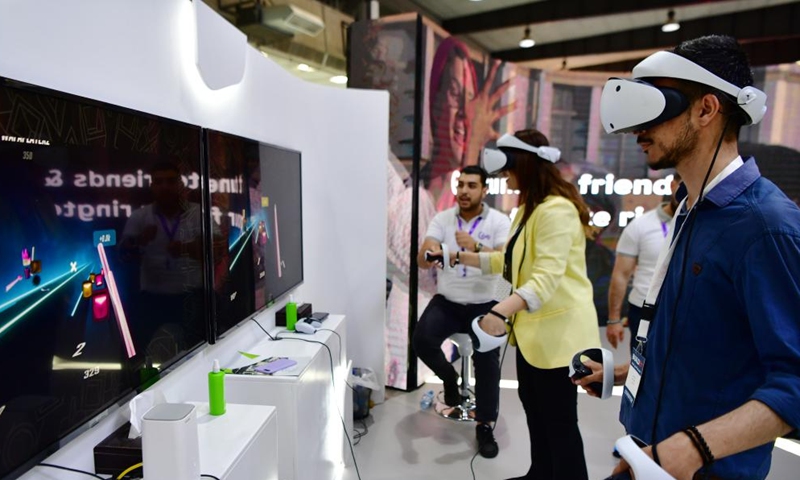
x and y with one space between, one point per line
165 166
723 56
475 170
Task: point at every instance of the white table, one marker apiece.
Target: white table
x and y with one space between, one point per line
311 440
239 445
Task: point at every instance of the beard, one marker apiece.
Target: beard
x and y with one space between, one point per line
683 145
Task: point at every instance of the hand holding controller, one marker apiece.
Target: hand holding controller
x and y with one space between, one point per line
577 369
442 258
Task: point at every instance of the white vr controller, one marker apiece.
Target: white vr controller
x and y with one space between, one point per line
483 341
642 466
600 355
442 260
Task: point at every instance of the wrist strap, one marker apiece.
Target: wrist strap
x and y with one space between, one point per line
613 322
500 316
458 257
655 455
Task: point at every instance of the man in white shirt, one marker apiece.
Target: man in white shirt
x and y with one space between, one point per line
463 294
637 253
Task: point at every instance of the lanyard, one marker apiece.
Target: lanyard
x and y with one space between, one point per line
664 229
471 231
169 231
664 258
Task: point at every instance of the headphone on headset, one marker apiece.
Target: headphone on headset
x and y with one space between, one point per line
495 161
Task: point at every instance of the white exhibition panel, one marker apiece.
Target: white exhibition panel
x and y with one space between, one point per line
141 54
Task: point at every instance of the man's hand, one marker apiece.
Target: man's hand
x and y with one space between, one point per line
465 241
678 457
615 334
620 374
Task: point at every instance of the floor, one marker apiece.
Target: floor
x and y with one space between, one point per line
405 442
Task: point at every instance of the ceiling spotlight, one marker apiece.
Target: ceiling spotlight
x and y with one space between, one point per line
338 79
304 68
527 41
671 25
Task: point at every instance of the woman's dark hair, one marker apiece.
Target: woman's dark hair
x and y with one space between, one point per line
537 178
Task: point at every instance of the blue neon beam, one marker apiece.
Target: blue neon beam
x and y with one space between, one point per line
33 290
37 302
241 248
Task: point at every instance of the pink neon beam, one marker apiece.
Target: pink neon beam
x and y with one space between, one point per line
122 321
278 243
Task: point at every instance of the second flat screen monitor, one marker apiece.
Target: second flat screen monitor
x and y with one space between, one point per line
256 217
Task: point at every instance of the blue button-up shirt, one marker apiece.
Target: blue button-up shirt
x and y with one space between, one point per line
731 332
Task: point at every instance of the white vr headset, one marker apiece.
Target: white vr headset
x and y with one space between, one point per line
644 467
495 161
630 105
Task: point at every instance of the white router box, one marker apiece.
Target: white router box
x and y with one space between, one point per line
170 445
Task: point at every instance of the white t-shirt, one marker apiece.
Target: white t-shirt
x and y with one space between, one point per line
643 239
464 284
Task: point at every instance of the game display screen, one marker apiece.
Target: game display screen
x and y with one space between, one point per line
256 225
282 202
102 270
238 228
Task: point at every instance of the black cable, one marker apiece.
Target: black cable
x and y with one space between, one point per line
333 384
262 329
72 470
209 476
337 334
502 359
691 218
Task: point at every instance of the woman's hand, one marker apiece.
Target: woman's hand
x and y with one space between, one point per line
481 115
492 324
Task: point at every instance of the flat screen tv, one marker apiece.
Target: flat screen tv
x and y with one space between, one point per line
282 206
256 225
237 228
102 261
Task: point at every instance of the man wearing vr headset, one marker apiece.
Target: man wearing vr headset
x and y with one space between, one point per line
715 379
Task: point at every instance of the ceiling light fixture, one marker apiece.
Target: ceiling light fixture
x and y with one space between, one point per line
338 79
671 24
304 68
527 41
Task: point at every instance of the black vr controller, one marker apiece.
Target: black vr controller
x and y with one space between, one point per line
602 356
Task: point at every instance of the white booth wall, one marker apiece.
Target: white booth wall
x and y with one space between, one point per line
140 54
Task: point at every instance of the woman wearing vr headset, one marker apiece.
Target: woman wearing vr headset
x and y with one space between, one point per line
551 311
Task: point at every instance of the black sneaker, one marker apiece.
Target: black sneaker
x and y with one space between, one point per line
487 445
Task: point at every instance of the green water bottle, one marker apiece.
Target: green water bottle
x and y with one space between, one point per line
291 313
216 390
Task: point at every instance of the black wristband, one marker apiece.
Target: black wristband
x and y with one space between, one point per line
458 257
499 315
655 455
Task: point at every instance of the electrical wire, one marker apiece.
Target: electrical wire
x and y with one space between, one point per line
333 383
71 470
209 476
263 330
502 359
129 470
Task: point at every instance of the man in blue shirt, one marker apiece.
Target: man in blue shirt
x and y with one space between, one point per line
717 378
